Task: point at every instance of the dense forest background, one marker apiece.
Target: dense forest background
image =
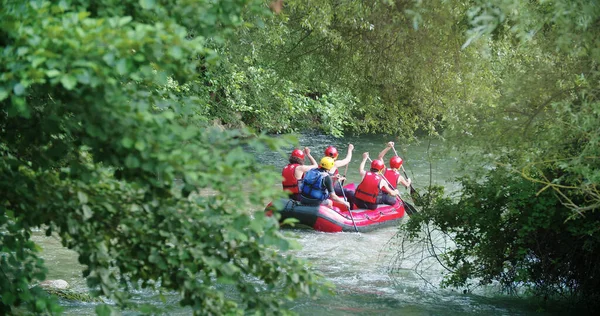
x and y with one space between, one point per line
105 103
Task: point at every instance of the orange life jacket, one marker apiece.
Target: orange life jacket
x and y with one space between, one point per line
368 189
290 183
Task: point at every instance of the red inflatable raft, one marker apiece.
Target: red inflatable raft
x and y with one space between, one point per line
338 219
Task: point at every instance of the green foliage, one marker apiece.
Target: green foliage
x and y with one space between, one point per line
345 66
542 105
102 142
70 295
248 94
104 136
530 102
19 267
505 229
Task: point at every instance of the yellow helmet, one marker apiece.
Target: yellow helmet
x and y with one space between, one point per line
326 163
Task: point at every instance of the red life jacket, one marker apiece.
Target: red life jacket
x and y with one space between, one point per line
368 189
290 183
392 176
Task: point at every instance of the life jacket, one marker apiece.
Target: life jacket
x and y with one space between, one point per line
368 189
335 173
392 176
337 185
312 185
290 183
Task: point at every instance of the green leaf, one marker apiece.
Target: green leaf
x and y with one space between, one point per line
226 280
3 94
108 207
83 198
140 145
82 15
122 66
22 51
19 107
125 20
147 4
68 81
37 61
109 59
127 142
175 52
8 298
295 277
19 89
132 161
40 305
87 212
105 310
52 73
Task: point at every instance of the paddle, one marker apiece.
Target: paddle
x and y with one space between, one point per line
345 199
413 192
410 210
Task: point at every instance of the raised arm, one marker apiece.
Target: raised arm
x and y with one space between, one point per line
387 148
361 168
313 162
345 161
301 169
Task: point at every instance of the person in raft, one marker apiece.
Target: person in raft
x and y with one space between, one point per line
367 193
338 179
392 174
317 186
294 172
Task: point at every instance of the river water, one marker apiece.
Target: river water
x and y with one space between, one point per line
364 267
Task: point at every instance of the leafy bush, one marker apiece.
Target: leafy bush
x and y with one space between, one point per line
97 146
509 230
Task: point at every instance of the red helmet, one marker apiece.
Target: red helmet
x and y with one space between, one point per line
377 164
396 162
331 152
298 153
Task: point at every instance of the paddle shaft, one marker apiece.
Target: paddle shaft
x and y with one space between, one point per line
413 191
345 199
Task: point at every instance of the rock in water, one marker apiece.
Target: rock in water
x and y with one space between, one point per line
55 284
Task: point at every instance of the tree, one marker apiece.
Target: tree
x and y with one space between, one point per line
527 213
99 122
501 229
544 109
328 63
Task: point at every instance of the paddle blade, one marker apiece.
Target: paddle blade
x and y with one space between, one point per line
415 196
409 209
